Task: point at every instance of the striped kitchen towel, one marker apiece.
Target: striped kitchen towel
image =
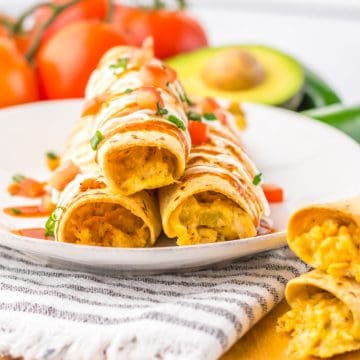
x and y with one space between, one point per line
47 314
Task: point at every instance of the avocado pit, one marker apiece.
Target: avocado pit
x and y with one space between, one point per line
232 70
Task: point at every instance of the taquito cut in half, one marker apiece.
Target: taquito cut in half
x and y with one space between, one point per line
89 212
327 237
324 319
216 199
140 131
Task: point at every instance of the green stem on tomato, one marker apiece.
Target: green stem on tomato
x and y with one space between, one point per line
18 25
110 10
7 23
56 11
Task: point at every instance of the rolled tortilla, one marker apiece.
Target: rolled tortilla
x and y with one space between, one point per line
324 319
144 144
327 237
90 213
215 199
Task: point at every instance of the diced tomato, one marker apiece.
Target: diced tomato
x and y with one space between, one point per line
27 187
91 184
63 175
273 193
171 74
221 116
198 132
209 105
148 98
157 76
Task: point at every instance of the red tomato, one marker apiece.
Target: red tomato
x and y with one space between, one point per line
85 9
273 193
208 105
153 75
174 32
66 61
17 78
148 98
198 132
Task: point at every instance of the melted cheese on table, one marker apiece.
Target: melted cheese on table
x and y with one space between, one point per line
106 224
332 247
319 325
209 217
142 168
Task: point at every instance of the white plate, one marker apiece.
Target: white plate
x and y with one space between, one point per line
311 161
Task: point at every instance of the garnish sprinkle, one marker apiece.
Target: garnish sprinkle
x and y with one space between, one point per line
175 120
161 110
18 178
51 155
257 179
128 91
50 223
122 63
16 211
192 115
96 139
210 116
184 98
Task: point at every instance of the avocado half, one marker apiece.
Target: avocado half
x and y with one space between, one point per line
252 73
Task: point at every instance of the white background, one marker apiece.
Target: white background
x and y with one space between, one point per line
324 34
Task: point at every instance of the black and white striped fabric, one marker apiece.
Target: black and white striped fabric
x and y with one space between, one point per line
48 314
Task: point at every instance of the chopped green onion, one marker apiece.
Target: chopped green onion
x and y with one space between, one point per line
161 110
16 211
192 115
257 179
175 120
50 223
18 178
51 155
210 116
96 139
122 63
167 83
184 98
128 91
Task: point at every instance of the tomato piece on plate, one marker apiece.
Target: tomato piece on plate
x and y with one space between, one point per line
27 187
198 132
273 193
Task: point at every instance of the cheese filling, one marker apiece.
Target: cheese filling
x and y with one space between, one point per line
332 247
141 168
106 224
209 217
319 325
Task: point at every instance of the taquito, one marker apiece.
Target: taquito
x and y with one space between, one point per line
324 319
327 237
139 133
216 199
89 212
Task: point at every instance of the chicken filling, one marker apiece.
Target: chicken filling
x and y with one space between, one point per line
141 168
209 217
319 325
332 247
106 224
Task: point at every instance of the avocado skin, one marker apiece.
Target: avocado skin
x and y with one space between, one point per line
317 93
277 95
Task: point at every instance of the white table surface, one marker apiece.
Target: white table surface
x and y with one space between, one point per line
324 34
